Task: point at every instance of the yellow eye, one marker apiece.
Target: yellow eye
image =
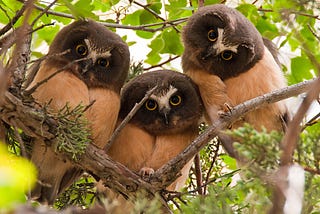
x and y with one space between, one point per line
151 105
175 100
212 35
103 62
227 55
81 50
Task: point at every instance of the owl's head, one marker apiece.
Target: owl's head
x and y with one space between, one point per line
93 53
221 41
174 106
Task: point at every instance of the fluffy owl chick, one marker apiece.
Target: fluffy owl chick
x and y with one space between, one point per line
92 64
163 127
221 44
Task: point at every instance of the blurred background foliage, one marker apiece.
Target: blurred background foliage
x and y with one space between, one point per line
152 28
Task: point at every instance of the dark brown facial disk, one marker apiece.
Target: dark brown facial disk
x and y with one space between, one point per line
175 106
95 54
221 41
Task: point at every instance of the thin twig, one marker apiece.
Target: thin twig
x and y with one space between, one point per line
180 160
313 32
198 172
42 26
19 13
45 10
211 166
312 121
154 13
162 63
293 12
128 118
20 141
146 27
149 10
38 84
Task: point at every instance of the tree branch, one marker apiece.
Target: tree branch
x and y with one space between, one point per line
162 63
165 175
146 27
21 54
114 175
9 26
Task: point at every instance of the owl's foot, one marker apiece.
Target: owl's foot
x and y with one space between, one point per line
146 172
226 109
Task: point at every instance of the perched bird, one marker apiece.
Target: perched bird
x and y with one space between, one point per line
89 63
231 62
163 127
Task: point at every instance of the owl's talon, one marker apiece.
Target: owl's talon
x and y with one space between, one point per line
146 172
226 109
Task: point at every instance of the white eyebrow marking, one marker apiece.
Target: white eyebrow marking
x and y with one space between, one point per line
220 46
163 100
94 54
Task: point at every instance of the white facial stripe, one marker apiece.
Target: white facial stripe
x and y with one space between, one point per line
163 100
220 47
93 53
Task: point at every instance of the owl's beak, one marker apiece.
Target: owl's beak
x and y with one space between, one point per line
165 112
88 64
209 53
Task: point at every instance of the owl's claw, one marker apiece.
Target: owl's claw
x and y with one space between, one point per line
146 172
226 109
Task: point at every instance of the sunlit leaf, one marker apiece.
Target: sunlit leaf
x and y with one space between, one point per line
17 176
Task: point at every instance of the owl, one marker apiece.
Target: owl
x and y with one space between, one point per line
163 127
89 64
231 62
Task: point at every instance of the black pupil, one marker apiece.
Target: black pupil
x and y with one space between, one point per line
102 62
175 99
227 54
151 104
81 49
213 34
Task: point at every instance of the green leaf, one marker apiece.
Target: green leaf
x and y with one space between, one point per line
250 11
229 161
177 9
48 33
172 42
132 19
155 5
267 29
156 47
300 68
81 9
18 175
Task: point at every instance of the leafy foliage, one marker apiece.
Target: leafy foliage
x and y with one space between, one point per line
293 25
73 133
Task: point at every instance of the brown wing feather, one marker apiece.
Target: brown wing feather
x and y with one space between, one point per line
132 147
166 148
263 78
103 114
58 91
66 88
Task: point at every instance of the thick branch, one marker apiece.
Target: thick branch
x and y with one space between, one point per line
118 177
21 54
167 173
